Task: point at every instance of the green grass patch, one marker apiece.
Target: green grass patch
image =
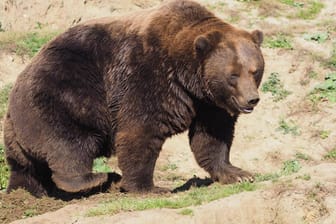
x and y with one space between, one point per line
306 9
187 211
311 10
100 165
317 37
25 43
193 197
324 134
169 166
292 3
302 156
331 155
32 43
325 91
305 177
4 170
4 94
278 41
288 127
290 166
267 177
30 213
275 87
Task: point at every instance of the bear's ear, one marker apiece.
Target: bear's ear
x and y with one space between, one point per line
202 46
204 43
258 37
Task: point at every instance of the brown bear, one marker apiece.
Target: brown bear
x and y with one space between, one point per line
121 87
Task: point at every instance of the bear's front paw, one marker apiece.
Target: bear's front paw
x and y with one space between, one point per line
231 174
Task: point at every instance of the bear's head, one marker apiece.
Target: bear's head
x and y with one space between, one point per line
233 68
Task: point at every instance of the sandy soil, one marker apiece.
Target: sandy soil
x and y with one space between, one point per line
258 146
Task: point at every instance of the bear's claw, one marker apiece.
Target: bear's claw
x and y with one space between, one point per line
231 174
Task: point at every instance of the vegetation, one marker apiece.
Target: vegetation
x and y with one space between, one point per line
100 165
305 177
290 166
311 11
32 43
4 171
317 37
187 211
278 41
288 127
275 87
4 94
25 43
302 156
195 196
169 166
292 3
324 134
267 177
308 9
331 155
29 213
325 91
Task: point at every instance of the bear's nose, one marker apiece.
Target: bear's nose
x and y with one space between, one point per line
253 101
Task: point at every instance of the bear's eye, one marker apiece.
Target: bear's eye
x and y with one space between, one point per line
233 79
256 74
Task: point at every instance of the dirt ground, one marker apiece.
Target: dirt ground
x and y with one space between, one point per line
259 146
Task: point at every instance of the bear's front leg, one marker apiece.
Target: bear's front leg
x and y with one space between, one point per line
211 135
137 151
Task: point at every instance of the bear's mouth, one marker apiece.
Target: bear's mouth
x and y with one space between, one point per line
242 109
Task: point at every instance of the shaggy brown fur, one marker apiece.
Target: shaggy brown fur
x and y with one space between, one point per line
123 86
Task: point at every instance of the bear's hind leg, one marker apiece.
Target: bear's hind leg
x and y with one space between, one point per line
25 180
22 170
72 168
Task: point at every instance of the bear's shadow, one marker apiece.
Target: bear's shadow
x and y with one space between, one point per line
114 178
193 182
